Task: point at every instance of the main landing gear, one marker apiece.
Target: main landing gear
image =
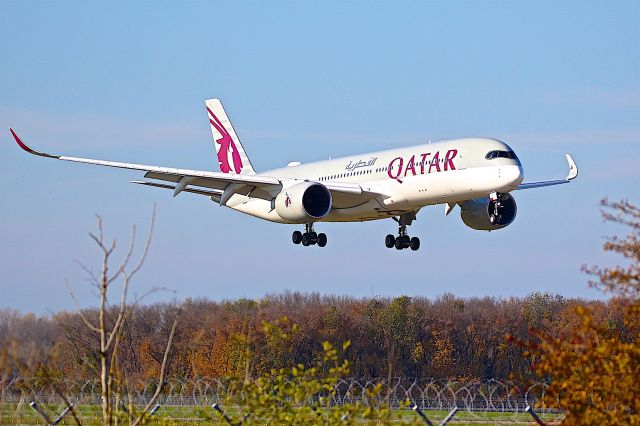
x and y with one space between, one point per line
309 237
403 241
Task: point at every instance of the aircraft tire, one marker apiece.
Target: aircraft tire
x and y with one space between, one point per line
415 243
399 245
390 241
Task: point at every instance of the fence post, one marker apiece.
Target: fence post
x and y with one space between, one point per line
534 415
226 418
421 414
39 410
449 416
154 409
62 415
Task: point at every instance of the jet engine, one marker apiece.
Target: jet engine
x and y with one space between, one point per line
487 215
303 202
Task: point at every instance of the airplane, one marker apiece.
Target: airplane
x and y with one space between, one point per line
477 174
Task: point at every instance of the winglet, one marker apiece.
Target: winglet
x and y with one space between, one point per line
29 150
573 168
573 173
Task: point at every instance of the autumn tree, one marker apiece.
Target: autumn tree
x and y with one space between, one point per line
395 328
593 374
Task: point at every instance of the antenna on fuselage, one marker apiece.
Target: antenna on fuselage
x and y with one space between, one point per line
429 140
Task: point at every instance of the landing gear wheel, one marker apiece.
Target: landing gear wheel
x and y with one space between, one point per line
398 244
415 243
309 237
390 241
322 239
403 241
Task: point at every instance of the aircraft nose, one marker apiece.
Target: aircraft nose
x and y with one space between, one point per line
512 175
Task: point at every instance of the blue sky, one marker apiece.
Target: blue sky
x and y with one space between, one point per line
302 81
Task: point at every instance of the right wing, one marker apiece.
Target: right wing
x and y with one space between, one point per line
220 186
573 173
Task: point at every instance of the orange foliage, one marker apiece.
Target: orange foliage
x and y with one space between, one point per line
150 365
594 367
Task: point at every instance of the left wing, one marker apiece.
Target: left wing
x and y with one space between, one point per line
219 186
573 173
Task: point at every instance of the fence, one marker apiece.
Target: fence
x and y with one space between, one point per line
474 395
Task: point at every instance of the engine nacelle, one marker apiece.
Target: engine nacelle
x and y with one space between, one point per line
486 215
304 202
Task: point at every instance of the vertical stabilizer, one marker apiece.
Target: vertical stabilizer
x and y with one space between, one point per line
231 155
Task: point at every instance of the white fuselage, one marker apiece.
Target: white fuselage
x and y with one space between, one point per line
406 179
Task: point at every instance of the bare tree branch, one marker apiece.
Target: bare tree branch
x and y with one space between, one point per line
109 340
100 229
85 320
125 262
147 245
163 370
126 277
92 275
115 331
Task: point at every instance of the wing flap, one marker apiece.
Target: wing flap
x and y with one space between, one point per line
175 178
211 193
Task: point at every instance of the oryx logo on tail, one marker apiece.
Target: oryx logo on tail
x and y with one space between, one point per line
231 156
226 146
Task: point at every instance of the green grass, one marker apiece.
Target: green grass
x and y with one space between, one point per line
11 414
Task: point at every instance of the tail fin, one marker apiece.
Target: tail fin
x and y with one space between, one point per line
231 155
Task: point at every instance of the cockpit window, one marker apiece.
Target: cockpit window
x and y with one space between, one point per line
500 154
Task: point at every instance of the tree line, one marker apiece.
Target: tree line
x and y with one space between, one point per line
415 337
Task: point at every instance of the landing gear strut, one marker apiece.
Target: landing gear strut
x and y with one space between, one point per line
495 207
403 241
310 237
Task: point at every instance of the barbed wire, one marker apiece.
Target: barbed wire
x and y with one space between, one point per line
470 395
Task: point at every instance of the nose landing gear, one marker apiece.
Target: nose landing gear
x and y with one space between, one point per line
403 241
310 237
495 207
